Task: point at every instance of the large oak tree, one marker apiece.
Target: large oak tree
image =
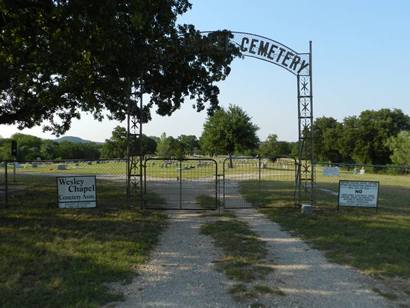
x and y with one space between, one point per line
228 132
61 57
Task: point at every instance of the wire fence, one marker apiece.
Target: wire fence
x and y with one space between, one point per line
244 180
200 183
34 182
189 184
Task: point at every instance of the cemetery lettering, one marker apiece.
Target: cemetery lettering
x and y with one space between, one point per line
274 53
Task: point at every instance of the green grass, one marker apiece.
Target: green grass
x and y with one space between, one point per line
281 193
377 243
387 295
190 169
104 167
54 257
208 202
395 180
243 255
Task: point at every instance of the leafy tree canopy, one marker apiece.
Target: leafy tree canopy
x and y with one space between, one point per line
170 147
31 148
60 57
325 132
361 139
400 148
229 131
116 146
189 143
71 150
272 148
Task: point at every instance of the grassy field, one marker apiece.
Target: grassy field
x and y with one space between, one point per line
377 243
54 257
190 169
103 167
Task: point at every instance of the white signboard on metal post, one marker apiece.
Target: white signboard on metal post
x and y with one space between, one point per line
76 192
358 194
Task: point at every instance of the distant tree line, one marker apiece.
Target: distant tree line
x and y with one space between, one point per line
33 148
163 146
374 137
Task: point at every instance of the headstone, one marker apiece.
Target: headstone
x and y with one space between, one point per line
306 209
331 171
61 167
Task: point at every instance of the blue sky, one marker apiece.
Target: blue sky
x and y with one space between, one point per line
361 60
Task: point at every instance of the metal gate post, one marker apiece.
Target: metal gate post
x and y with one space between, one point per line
6 185
180 184
305 179
145 176
259 166
259 178
223 183
216 184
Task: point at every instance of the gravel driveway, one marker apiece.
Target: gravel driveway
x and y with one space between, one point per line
181 272
304 274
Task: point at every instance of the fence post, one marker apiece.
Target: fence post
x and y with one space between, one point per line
142 201
259 179
14 171
6 185
216 184
259 164
223 183
180 184
145 176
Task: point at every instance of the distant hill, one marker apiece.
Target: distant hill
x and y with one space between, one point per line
73 139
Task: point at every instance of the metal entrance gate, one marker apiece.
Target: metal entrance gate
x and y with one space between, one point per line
251 176
176 184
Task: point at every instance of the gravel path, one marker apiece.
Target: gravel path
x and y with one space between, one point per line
304 274
181 272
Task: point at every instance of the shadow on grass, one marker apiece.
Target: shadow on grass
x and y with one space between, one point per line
268 193
54 257
391 197
376 242
208 202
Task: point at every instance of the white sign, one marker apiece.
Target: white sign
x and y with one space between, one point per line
76 191
331 171
358 193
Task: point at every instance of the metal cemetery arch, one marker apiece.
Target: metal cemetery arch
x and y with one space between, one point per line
300 65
